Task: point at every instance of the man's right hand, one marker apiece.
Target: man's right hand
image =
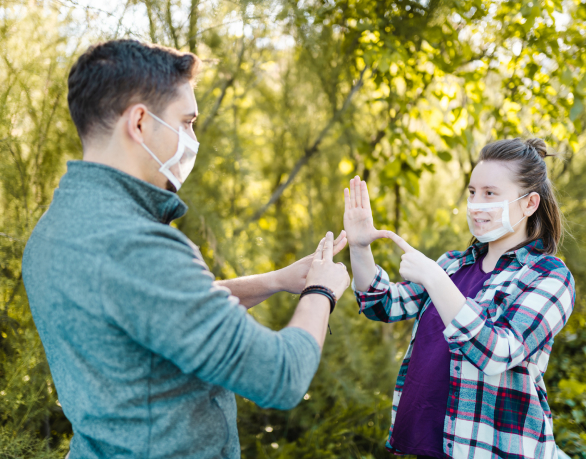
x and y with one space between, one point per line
358 221
324 271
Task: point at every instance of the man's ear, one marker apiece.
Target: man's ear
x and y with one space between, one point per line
532 204
137 118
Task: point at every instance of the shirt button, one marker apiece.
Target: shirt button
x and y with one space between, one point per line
449 445
456 393
457 368
453 417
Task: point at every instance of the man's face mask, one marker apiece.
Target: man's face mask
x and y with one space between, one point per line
490 221
181 163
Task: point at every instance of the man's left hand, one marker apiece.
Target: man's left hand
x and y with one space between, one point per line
292 278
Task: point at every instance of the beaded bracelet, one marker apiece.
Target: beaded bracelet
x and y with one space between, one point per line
321 290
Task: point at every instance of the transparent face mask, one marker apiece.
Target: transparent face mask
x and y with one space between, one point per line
490 221
180 165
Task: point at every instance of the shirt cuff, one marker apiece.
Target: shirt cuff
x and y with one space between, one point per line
466 325
379 283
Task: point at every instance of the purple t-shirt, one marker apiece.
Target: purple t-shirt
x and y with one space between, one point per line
419 424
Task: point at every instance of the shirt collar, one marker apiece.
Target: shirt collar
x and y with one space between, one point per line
164 206
526 254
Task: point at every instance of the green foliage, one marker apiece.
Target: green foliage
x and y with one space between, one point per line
26 445
295 98
36 138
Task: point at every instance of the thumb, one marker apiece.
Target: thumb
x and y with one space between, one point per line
380 234
399 241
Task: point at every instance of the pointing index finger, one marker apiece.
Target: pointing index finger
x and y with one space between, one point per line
400 242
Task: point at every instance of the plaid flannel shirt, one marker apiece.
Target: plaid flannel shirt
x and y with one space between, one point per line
499 345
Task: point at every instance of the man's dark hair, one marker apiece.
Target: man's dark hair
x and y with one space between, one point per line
109 77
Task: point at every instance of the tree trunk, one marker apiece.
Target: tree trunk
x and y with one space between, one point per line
192 39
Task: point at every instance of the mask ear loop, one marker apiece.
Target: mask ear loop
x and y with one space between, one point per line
520 197
152 154
162 122
147 148
524 216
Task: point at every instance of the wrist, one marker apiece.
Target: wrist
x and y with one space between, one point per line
359 249
436 276
317 289
315 301
275 281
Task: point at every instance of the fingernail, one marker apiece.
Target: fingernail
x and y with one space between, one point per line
329 233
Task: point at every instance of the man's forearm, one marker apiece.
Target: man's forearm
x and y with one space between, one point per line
312 315
252 290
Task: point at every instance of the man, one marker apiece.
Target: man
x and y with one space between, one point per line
146 350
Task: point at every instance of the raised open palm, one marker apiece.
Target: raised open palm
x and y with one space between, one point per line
358 222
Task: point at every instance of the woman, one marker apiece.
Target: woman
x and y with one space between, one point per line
471 384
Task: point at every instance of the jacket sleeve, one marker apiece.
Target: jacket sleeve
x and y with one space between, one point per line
386 301
527 323
157 289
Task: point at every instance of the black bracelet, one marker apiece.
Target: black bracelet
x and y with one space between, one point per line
321 290
322 287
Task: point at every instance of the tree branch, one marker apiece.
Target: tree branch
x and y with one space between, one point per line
309 152
229 82
152 26
169 19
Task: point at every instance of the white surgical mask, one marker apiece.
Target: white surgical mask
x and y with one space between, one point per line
183 159
496 215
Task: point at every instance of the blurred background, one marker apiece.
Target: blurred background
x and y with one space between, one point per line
295 98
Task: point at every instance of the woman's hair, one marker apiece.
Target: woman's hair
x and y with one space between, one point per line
528 165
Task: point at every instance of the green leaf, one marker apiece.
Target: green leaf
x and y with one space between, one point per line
577 109
444 155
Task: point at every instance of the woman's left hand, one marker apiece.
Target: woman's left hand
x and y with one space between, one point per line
415 267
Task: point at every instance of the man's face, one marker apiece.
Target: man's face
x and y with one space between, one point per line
162 141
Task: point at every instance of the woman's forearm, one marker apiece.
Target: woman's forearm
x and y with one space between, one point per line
446 297
363 267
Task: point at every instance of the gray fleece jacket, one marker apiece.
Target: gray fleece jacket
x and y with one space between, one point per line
145 352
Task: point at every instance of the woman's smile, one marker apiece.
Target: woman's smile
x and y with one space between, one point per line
480 221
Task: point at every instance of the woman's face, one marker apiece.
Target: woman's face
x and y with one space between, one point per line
493 181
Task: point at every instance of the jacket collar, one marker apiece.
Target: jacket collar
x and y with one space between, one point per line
162 205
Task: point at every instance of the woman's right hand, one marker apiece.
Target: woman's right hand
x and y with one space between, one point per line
358 222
